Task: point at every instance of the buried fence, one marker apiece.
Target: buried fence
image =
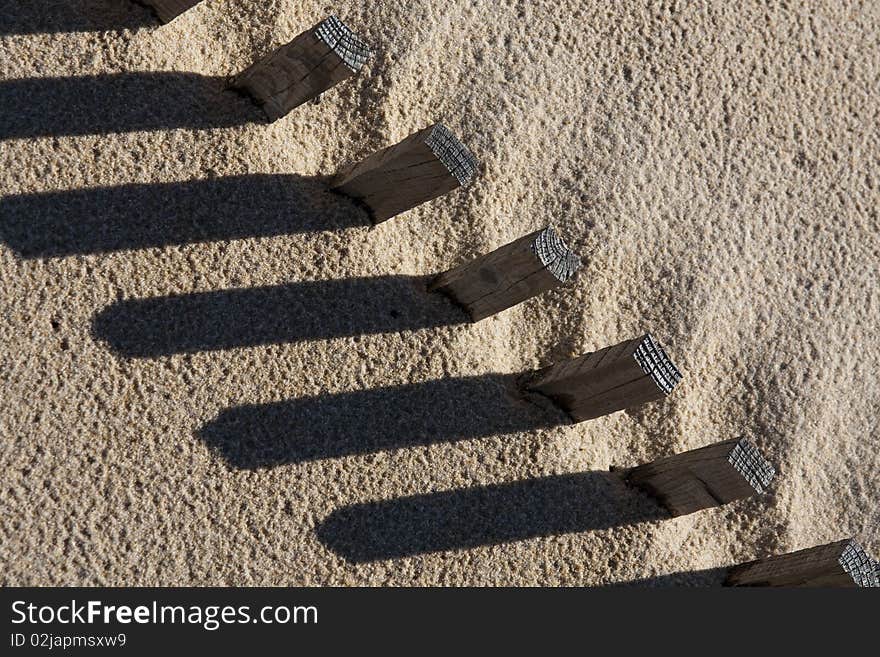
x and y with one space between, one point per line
302 70
424 166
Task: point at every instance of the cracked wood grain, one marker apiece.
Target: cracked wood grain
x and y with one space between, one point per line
428 164
622 376
840 564
703 478
514 273
305 68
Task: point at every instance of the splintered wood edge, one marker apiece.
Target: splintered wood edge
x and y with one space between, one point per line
353 52
654 362
453 154
859 565
754 468
555 256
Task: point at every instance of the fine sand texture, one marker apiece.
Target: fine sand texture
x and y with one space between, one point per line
213 371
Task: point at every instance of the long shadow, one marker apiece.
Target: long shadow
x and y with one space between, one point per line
105 219
52 16
121 102
365 421
710 577
485 515
246 317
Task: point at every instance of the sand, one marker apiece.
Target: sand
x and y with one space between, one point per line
213 372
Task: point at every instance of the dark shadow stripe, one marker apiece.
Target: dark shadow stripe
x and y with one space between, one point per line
485 515
366 421
59 16
106 219
123 102
251 317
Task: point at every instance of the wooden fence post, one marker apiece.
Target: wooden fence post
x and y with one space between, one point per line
168 10
844 563
703 478
517 271
628 374
316 60
422 167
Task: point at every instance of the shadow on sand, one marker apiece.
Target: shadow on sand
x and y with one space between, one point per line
51 17
366 421
105 219
485 515
710 577
248 317
121 102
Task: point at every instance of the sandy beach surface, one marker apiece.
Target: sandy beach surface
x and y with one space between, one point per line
212 371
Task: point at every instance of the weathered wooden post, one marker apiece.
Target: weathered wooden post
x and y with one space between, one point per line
316 60
168 10
628 374
703 478
841 564
422 167
507 276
